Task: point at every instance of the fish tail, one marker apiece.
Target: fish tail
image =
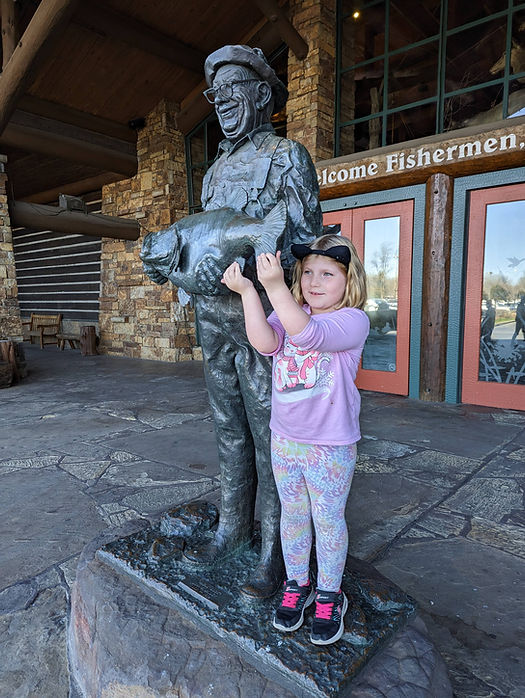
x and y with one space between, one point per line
271 230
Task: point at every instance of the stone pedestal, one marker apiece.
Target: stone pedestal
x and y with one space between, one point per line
145 624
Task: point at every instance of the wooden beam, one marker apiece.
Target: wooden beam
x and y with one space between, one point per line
60 220
75 117
436 265
99 18
72 188
46 125
287 31
48 20
69 148
7 8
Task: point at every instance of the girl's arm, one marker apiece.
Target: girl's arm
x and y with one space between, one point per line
343 330
271 275
339 332
260 334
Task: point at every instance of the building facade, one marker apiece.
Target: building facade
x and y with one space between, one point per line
414 116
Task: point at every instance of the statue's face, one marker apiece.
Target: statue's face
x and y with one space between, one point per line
238 114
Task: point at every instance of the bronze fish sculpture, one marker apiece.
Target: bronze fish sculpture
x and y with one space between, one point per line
225 234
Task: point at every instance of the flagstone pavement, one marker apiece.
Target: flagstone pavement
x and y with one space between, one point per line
89 443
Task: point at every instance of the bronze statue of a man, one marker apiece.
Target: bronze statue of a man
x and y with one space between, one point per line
254 170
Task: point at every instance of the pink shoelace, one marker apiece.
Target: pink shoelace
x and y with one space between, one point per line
290 599
323 610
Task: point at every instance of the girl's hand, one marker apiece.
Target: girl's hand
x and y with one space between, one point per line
269 271
234 279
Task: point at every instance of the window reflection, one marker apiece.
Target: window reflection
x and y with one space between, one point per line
502 335
381 261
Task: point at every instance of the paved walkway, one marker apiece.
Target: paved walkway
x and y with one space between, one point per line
90 442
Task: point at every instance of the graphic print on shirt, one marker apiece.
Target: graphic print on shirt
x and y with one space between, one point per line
301 373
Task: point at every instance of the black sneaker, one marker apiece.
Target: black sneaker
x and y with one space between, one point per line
290 614
328 624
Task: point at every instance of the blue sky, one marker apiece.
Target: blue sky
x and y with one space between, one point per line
379 231
505 240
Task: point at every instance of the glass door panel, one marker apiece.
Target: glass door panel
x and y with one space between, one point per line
494 332
381 261
382 235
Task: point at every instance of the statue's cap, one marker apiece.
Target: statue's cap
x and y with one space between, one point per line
252 58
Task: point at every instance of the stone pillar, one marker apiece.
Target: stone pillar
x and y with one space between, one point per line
137 317
311 82
10 322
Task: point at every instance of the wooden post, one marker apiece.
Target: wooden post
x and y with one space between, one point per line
436 265
13 365
7 8
48 20
7 354
6 374
88 341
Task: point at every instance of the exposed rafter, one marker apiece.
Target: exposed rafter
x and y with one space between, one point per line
99 18
72 188
63 221
68 115
56 139
49 18
7 8
287 31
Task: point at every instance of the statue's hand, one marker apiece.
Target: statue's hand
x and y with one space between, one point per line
153 274
208 275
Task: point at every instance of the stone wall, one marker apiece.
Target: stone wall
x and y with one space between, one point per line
137 317
311 83
10 323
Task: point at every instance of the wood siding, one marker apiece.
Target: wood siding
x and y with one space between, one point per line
57 272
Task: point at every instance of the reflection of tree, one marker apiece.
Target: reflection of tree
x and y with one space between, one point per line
499 287
381 263
500 292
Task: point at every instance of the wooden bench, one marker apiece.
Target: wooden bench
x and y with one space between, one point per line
73 339
86 340
45 328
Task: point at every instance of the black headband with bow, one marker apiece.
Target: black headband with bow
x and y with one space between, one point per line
340 253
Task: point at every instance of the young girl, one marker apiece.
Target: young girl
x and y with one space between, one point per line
315 335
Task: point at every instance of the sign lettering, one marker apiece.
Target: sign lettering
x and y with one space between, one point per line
403 160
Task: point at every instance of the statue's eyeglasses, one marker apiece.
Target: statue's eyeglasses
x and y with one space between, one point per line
224 91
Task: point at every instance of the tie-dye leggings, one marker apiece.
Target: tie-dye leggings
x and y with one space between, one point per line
313 482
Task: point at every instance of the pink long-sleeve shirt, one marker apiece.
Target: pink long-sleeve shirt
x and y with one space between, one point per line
314 397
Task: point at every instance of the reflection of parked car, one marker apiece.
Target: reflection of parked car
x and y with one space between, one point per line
381 313
392 303
372 304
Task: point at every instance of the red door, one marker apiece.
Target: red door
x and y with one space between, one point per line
382 236
494 328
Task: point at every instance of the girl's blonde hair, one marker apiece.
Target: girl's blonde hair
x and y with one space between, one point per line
355 294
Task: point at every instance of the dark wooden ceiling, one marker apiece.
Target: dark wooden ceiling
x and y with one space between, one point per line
113 62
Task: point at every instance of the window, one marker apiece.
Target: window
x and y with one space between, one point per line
407 70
